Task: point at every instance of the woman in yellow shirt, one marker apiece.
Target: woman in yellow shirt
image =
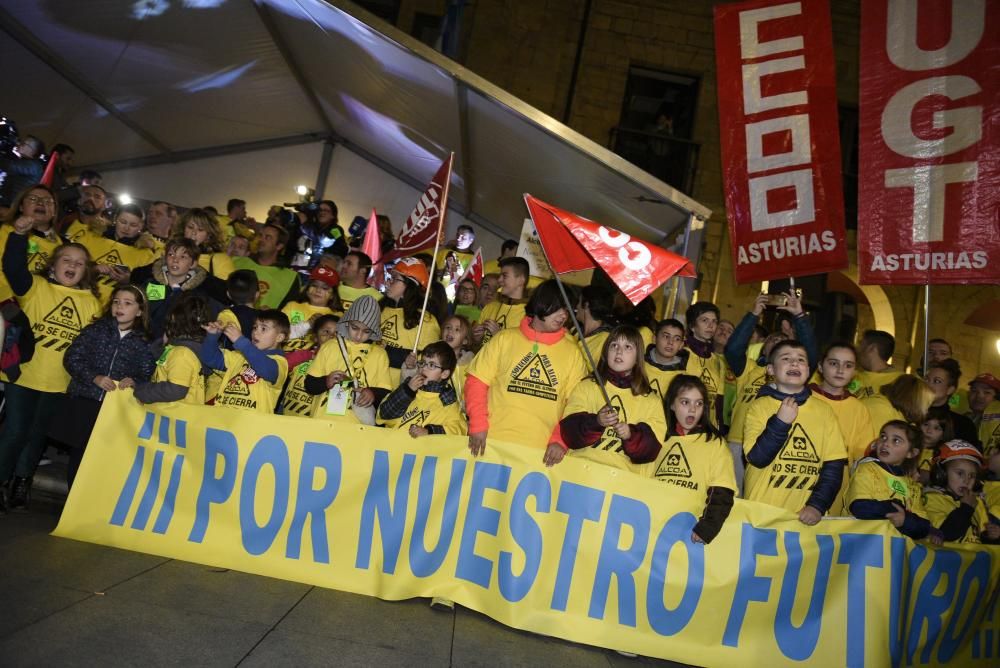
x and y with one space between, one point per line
59 303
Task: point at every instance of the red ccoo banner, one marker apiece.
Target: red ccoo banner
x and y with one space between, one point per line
929 142
780 140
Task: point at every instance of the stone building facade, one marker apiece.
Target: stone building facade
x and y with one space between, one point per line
533 49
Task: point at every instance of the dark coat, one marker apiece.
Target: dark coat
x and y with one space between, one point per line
99 350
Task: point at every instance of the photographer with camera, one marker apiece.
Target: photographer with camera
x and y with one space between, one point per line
21 167
318 233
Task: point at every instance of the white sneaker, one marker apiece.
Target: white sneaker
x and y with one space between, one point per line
439 603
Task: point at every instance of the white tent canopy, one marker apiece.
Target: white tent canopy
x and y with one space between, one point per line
171 90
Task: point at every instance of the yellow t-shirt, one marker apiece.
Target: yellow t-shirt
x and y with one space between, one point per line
939 505
214 380
368 363
855 424
464 259
396 335
108 251
694 462
426 408
872 482
349 295
595 344
180 365
989 429
57 315
458 378
871 382
991 493
40 249
529 384
508 316
659 379
299 312
243 388
813 439
748 384
712 372
881 411
586 398
219 265
296 400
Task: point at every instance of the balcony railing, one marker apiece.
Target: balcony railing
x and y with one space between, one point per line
670 159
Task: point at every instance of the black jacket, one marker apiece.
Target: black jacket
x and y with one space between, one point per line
99 350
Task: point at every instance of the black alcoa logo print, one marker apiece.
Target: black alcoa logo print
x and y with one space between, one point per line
64 315
674 463
799 447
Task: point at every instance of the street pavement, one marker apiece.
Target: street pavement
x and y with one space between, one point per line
69 603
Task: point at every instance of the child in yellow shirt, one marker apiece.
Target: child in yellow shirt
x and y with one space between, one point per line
953 504
256 370
426 403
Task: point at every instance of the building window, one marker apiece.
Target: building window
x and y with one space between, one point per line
656 124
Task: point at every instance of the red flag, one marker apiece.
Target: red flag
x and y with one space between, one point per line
573 243
929 141
475 268
50 170
426 221
372 245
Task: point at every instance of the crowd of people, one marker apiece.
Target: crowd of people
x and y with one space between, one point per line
289 316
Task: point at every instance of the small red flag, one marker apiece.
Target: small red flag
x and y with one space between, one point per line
573 243
475 268
372 245
426 222
50 170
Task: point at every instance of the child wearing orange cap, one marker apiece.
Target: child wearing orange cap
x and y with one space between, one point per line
402 308
954 504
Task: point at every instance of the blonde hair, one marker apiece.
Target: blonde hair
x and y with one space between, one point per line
205 221
910 395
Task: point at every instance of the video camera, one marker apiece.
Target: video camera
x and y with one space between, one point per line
8 136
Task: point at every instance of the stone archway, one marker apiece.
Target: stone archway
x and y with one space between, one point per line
872 295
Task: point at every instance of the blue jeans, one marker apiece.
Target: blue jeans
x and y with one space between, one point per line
22 439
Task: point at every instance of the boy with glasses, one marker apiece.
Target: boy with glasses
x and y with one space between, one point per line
426 403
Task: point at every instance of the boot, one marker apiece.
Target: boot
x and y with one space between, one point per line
20 494
3 498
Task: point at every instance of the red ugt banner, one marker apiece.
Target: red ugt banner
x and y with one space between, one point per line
929 142
780 140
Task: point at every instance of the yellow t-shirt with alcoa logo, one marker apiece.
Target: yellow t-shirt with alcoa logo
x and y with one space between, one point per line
242 388
426 408
180 365
586 398
368 363
529 384
693 462
813 439
40 249
57 315
395 334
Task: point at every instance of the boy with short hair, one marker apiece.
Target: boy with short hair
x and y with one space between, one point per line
243 290
666 357
943 377
794 449
507 311
426 403
256 370
165 280
874 352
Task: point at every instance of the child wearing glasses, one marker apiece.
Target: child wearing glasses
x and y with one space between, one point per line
426 403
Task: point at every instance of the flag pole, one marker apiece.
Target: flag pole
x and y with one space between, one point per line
437 245
576 325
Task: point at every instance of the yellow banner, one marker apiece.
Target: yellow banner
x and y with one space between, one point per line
580 551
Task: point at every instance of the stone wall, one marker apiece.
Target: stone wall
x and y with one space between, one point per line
529 47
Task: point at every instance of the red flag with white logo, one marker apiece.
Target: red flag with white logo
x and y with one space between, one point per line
929 141
475 268
573 243
780 140
426 222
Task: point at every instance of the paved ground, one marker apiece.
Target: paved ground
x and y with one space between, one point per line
67 603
